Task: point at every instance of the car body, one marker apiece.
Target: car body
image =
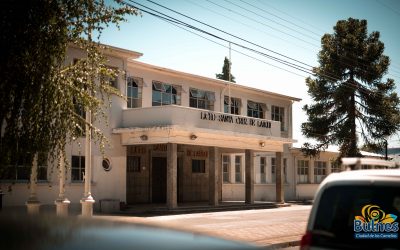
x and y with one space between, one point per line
357 209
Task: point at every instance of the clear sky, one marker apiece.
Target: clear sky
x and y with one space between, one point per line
288 27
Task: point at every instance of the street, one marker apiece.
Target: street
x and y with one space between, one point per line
261 227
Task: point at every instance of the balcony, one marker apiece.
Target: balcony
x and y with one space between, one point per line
191 119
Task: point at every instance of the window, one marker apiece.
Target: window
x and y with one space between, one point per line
21 171
133 164
165 94
226 163
112 77
202 99
319 171
77 168
198 166
106 164
335 167
238 169
263 164
234 103
80 125
302 171
285 170
278 114
254 109
273 170
134 92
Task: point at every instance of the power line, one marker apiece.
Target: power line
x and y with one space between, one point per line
298 67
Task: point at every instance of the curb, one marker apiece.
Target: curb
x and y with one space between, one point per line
283 245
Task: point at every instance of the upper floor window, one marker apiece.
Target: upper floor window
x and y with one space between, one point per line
202 99
134 92
278 114
254 109
319 171
111 80
302 171
234 104
165 94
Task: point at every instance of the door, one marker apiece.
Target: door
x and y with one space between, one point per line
159 179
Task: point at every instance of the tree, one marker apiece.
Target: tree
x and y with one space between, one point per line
225 72
39 92
351 101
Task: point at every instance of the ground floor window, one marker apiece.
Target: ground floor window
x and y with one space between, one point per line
263 166
21 171
198 166
302 171
238 169
77 168
335 167
226 164
273 169
319 171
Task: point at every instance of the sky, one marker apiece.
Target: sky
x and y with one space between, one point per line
284 29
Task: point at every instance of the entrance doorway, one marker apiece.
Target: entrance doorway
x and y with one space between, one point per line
159 180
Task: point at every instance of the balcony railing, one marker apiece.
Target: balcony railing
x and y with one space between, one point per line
192 118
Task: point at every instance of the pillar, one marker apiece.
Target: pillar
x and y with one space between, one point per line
87 200
172 174
61 202
33 204
249 179
280 192
213 176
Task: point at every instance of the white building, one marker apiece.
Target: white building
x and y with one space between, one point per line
181 137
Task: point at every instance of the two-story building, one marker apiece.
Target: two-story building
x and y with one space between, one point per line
179 137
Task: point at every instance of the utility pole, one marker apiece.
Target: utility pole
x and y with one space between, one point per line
229 80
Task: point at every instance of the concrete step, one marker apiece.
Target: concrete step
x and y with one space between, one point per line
184 209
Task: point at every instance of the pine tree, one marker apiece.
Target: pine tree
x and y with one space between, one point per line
225 72
352 103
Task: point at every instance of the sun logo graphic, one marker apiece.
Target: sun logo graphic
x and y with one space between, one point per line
374 223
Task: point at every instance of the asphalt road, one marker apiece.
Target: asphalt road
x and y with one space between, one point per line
262 227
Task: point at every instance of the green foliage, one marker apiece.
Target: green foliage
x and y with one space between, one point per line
39 92
225 72
351 101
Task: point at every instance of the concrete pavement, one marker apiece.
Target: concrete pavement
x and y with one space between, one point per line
277 227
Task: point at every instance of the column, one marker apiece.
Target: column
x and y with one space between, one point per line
33 203
213 176
280 192
249 179
172 174
311 172
62 203
87 200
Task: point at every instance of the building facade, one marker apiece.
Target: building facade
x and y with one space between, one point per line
179 137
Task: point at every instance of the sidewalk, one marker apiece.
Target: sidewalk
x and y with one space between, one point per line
272 228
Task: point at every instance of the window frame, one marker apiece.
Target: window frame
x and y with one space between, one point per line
81 168
320 170
263 169
235 105
226 175
256 109
164 90
238 166
130 81
303 172
278 114
198 96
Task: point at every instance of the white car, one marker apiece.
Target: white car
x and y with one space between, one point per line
356 210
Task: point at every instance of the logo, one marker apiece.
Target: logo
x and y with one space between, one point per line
374 223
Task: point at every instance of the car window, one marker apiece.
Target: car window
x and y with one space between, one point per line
340 206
